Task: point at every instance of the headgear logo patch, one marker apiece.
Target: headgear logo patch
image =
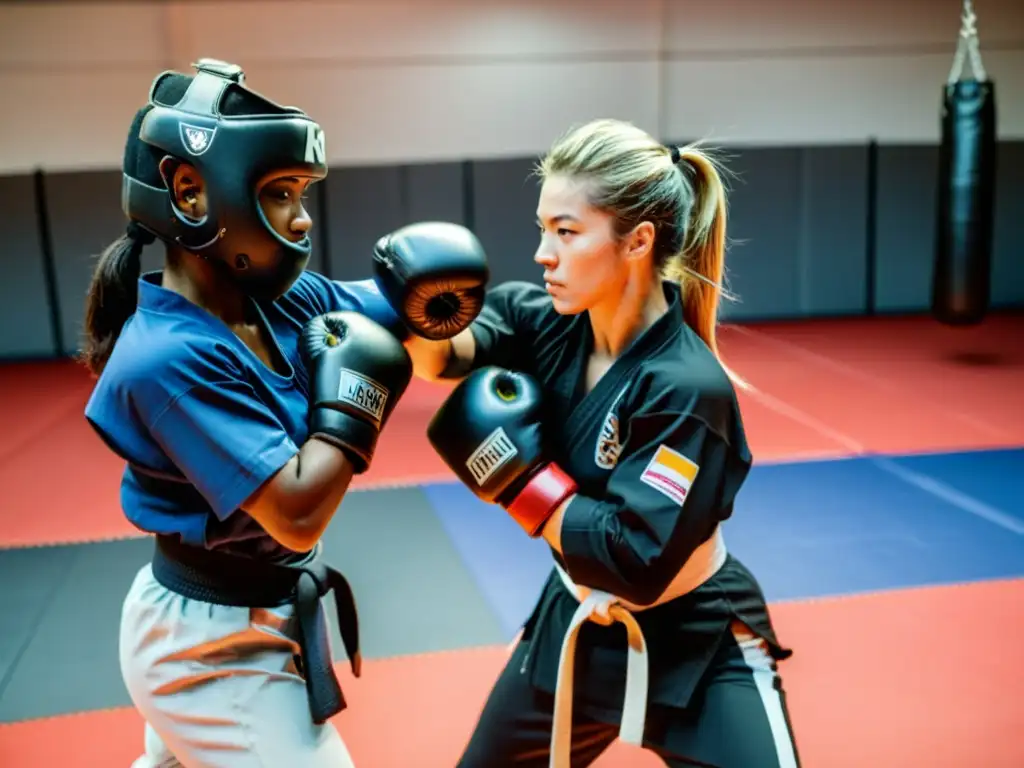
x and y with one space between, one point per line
196 138
316 152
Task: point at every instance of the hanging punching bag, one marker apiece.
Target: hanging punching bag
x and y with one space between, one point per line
963 246
967 161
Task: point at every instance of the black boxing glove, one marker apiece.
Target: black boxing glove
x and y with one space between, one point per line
357 373
434 275
489 433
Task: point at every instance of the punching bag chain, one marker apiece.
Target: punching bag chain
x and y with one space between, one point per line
967 45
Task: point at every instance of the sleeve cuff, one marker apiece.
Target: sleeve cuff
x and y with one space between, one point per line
265 464
581 540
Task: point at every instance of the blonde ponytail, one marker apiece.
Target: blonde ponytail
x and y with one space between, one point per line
700 267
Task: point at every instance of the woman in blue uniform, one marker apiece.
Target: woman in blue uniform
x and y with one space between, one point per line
595 410
244 393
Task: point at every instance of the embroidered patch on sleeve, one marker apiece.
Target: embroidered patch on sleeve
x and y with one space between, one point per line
670 473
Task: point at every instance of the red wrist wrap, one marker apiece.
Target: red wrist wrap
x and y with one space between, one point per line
540 498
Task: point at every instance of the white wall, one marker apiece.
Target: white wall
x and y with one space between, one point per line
452 79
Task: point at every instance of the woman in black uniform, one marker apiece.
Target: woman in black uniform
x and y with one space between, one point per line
596 411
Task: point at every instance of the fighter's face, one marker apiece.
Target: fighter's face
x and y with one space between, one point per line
584 262
282 200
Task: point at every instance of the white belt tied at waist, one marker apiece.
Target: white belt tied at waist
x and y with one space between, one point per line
605 608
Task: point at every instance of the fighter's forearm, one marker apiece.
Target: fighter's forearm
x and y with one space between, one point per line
429 358
442 360
552 531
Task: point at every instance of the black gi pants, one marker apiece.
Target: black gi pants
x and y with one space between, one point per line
726 726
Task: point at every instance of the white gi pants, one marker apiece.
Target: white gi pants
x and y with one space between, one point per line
217 685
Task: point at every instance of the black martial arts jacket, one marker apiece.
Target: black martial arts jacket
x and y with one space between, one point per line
659 453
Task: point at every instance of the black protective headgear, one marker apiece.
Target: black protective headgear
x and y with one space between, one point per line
234 153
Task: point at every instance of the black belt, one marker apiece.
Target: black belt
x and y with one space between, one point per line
226 579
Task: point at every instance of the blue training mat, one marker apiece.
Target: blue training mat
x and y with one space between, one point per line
806 530
992 478
826 528
508 566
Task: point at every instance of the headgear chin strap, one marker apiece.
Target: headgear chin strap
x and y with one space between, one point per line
234 154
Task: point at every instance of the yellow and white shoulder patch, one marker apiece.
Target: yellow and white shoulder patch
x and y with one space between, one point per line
670 473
